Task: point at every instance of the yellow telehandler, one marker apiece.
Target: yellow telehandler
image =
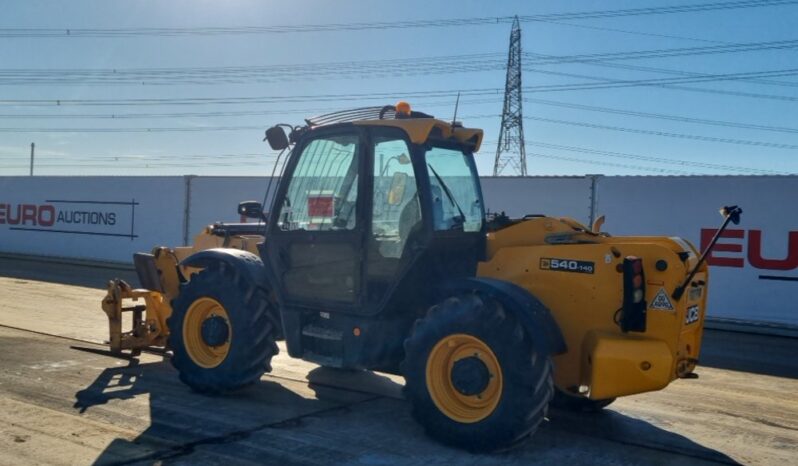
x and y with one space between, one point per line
377 254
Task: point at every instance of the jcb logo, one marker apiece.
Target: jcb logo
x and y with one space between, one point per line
753 239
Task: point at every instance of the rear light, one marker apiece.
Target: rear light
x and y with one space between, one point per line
633 312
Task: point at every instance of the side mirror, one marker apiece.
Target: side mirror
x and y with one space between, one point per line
276 137
397 191
251 209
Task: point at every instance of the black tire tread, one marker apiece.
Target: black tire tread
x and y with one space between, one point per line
253 334
528 383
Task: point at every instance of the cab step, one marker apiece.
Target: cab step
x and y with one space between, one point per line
323 345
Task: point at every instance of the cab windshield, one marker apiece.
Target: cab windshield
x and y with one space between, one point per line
456 199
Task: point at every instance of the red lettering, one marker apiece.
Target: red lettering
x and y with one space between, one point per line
755 252
28 214
10 218
46 220
706 237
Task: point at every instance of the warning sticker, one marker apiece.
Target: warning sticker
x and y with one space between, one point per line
661 302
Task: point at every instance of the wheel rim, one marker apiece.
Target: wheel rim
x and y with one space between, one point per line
445 392
199 350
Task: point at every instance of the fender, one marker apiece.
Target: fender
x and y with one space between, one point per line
243 261
533 315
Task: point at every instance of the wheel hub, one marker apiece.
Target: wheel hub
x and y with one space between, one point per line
215 330
470 376
464 378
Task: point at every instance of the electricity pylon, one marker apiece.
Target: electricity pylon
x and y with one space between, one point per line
510 151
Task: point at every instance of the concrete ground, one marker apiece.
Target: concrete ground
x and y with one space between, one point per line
63 400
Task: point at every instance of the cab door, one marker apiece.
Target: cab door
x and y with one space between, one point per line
314 246
397 231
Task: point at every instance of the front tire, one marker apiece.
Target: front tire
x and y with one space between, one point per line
222 330
474 377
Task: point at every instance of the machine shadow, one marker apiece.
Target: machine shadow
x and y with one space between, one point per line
321 379
177 424
172 433
616 427
608 425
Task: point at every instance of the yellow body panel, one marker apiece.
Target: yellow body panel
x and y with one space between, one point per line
600 358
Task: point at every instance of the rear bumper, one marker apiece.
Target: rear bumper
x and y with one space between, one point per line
615 365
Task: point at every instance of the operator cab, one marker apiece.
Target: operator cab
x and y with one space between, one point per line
372 216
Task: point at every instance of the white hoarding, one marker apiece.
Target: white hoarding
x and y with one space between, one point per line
95 218
216 198
555 196
754 271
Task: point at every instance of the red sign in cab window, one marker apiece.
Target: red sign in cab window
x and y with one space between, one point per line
320 206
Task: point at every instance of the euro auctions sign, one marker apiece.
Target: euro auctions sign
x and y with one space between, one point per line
90 218
72 216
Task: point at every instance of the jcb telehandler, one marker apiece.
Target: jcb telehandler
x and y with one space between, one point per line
377 254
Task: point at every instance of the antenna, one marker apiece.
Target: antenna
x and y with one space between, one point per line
510 150
456 104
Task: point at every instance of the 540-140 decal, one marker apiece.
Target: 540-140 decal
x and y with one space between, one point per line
566 265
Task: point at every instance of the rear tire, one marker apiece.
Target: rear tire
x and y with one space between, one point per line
568 402
457 397
222 330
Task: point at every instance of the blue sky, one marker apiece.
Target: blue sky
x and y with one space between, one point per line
563 147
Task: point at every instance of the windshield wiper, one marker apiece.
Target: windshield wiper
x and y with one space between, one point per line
449 195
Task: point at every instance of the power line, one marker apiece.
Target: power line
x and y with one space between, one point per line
234 74
679 118
302 111
139 158
607 83
661 81
130 130
667 134
652 159
614 83
149 129
307 111
610 164
381 25
389 96
666 53
366 68
626 66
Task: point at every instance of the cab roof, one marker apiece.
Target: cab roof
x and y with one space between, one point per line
419 127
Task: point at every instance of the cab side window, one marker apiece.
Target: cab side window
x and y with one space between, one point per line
396 210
